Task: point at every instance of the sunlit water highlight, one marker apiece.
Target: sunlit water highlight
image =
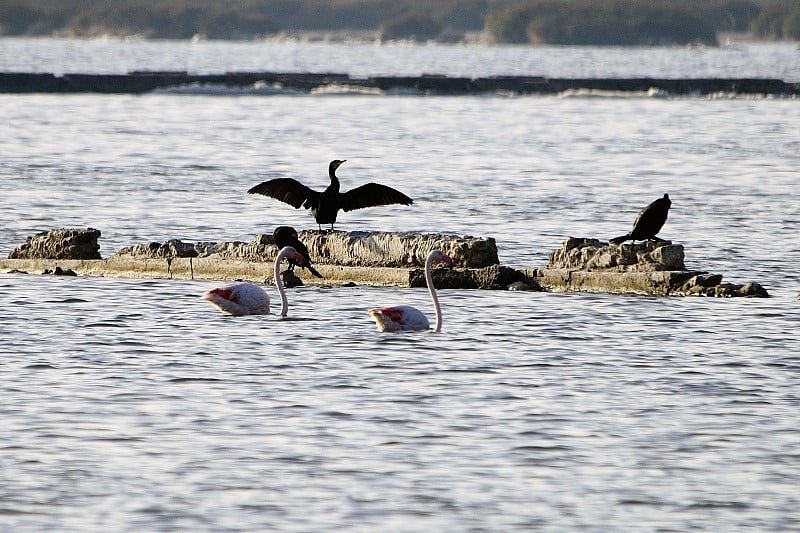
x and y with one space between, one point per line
135 405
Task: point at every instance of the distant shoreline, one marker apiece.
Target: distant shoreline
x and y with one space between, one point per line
371 37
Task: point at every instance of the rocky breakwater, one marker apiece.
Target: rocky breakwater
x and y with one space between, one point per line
649 267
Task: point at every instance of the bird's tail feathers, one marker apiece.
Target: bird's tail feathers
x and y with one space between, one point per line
620 239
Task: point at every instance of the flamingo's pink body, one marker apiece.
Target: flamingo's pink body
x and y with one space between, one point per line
242 299
407 318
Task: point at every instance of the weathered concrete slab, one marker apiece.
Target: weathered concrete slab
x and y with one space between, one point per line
213 268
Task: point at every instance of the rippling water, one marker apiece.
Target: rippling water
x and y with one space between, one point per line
134 405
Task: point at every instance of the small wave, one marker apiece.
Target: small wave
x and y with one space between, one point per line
337 89
652 92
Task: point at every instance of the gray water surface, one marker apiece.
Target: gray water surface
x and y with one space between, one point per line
134 405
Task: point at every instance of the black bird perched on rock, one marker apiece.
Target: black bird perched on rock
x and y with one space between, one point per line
287 236
648 222
325 205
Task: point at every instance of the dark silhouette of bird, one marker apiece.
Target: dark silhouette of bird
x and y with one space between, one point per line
287 236
325 205
648 222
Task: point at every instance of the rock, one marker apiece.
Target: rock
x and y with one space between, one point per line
58 271
521 286
64 243
711 285
492 277
752 289
593 254
649 267
153 250
290 279
399 250
364 249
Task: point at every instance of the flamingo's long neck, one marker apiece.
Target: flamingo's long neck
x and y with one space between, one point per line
432 290
279 282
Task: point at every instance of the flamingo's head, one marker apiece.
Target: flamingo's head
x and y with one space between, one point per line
440 256
224 293
294 255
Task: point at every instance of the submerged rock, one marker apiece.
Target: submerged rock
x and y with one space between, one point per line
290 279
58 271
63 243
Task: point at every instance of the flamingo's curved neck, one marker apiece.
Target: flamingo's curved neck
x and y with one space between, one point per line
434 296
279 282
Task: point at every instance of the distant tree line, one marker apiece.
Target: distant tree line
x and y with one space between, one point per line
600 22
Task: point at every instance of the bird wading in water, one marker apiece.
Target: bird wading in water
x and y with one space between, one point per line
245 298
648 222
287 236
325 205
407 318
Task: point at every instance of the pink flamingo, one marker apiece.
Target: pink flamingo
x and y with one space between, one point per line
407 318
248 298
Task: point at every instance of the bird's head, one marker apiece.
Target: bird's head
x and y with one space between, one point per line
336 163
284 232
667 200
293 254
438 255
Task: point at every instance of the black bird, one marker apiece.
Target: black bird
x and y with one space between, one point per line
287 236
325 205
648 222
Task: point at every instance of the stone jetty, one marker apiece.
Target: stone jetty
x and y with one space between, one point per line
139 82
381 258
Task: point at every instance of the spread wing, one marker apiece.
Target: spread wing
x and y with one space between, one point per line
371 195
288 190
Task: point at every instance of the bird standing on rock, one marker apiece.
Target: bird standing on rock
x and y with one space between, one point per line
325 205
648 222
287 236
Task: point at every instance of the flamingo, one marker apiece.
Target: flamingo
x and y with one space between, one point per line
407 318
248 298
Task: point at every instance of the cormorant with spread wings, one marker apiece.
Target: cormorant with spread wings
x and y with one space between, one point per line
325 205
